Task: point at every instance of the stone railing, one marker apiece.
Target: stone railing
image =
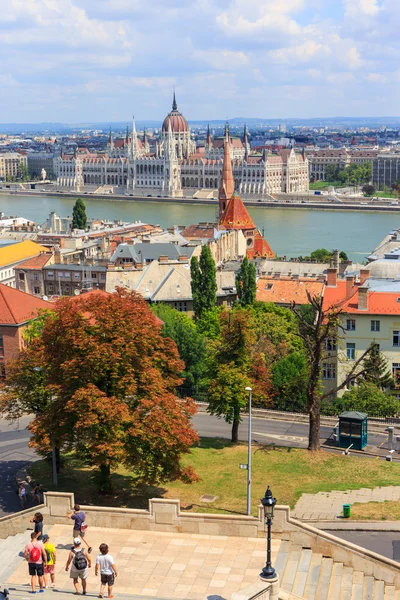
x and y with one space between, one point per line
260 590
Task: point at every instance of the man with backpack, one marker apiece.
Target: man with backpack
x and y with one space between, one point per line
81 564
36 556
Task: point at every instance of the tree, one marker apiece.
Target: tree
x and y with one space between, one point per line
368 189
191 345
315 331
289 381
343 176
376 369
236 364
331 172
368 397
23 172
79 218
246 283
113 376
203 283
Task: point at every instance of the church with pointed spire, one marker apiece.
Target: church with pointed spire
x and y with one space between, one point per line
172 165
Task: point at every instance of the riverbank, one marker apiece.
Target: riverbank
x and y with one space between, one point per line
301 202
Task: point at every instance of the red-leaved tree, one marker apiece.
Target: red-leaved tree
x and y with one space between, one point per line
113 378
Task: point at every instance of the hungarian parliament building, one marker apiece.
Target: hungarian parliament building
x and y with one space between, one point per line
175 167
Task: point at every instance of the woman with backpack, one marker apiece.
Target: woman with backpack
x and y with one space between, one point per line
81 564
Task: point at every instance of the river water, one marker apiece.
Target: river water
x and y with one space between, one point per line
290 231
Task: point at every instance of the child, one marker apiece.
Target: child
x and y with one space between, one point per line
108 571
51 561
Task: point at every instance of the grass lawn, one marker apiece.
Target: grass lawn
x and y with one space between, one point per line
384 195
288 471
375 511
323 185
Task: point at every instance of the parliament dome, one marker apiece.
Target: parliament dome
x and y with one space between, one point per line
176 120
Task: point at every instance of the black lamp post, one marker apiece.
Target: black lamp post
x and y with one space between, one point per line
268 503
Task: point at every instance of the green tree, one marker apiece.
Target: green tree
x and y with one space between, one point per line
289 382
203 283
376 370
368 189
331 172
343 176
368 397
246 283
23 172
191 346
79 218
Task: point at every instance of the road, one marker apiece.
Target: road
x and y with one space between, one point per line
282 433
385 543
14 455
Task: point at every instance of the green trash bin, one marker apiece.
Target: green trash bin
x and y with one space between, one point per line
346 511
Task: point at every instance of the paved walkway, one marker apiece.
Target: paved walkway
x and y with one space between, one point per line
326 506
165 565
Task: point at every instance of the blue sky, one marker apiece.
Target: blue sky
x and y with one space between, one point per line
104 60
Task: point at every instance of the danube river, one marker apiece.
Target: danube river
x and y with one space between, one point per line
290 231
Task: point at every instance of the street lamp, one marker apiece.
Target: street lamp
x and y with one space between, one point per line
249 389
268 503
53 449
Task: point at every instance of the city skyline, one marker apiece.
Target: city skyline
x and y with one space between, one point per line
80 60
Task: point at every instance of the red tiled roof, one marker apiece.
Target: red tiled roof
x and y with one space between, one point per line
379 303
287 290
235 215
196 232
261 248
37 262
16 307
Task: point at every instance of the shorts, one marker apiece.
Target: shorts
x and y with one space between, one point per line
35 569
75 574
107 579
49 569
78 533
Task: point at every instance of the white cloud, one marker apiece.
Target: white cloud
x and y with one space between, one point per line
376 78
222 59
357 8
301 53
266 15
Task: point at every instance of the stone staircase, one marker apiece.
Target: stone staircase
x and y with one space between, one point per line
311 576
12 554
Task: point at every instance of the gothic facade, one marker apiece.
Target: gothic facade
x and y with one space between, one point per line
175 167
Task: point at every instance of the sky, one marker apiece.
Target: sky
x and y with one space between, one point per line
73 61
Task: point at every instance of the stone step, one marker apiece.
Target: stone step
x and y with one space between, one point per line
282 557
379 590
335 581
357 588
313 576
347 584
324 578
289 574
368 588
302 572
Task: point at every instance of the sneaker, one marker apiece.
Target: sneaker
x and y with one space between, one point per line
41 591
52 585
89 549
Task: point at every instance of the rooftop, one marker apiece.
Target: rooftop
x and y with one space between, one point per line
287 290
14 253
379 302
17 308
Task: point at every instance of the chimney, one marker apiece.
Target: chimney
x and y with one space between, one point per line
295 277
363 298
364 275
57 257
139 266
332 277
336 258
277 275
349 286
163 259
321 278
183 258
130 242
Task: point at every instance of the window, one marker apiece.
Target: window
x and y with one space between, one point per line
328 371
396 338
351 325
181 306
36 277
77 275
50 288
330 344
67 274
59 273
396 372
350 351
375 325
22 276
94 275
1 345
36 290
103 276
50 273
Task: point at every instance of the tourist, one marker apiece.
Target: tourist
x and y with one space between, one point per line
22 494
108 571
38 520
80 566
35 554
49 568
78 517
36 493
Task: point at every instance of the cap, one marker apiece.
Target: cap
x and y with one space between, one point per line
77 541
45 537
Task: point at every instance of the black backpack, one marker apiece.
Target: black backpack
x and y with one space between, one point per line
80 562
